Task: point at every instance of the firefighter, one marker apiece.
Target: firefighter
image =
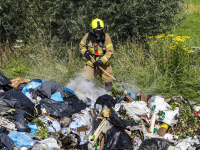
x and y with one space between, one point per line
97 44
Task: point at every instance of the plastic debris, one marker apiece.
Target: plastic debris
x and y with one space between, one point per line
44 115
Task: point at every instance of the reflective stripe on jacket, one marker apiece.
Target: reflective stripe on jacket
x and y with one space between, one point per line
103 57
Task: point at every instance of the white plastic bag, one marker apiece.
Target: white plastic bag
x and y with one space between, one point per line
168 117
48 144
157 103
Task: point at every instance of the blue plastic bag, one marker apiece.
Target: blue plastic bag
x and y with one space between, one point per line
33 127
33 84
57 97
21 140
67 89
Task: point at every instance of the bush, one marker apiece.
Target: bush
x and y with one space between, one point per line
70 20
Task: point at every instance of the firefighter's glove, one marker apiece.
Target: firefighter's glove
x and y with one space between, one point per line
87 54
98 63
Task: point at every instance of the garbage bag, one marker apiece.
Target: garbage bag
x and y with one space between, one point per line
20 121
20 98
46 89
57 109
57 97
3 79
21 139
117 139
49 144
157 103
82 147
105 100
155 144
169 117
4 107
115 120
7 142
77 105
32 85
198 147
3 130
68 91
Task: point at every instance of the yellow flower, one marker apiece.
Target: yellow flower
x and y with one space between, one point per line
156 41
148 42
172 47
187 37
185 48
160 36
170 35
180 39
150 37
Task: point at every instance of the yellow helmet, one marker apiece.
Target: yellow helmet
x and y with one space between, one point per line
97 24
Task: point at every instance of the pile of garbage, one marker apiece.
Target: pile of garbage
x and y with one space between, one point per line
37 114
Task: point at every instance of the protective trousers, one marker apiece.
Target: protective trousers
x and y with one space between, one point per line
88 72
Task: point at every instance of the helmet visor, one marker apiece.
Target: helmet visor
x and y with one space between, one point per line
98 30
98 33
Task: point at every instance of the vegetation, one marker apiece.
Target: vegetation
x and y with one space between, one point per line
42 131
68 21
152 54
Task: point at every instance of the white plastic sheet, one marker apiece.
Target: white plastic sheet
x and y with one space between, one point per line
134 109
183 144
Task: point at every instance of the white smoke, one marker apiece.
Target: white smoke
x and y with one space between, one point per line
87 88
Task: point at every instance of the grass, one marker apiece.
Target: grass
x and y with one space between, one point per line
191 25
137 69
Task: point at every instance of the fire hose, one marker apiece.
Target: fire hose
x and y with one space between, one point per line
107 73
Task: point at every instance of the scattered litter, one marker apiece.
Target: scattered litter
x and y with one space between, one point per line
37 114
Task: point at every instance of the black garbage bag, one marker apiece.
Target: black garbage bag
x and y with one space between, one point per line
46 89
105 100
57 109
6 142
69 94
155 144
7 87
3 79
4 130
77 105
21 99
82 147
198 147
117 139
115 120
20 121
4 107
